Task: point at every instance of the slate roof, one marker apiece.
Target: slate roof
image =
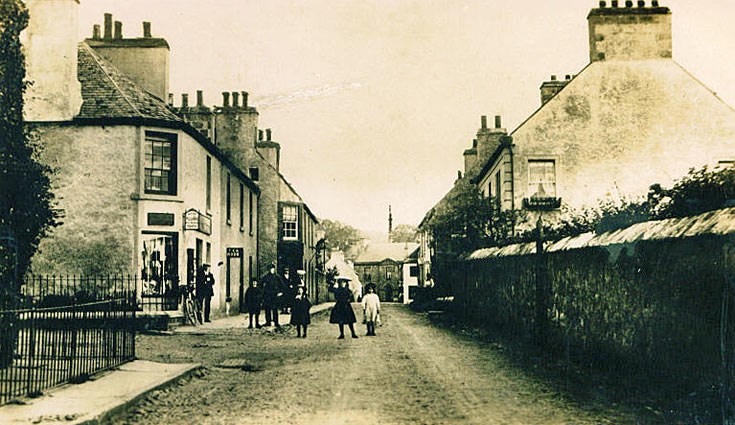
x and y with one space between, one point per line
377 252
719 222
108 93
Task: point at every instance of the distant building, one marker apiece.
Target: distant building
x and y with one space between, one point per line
383 265
631 118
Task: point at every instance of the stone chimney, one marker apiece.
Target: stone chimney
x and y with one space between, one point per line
470 157
235 129
145 60
629 33
488 139
270 150
199 116
553 86
50 45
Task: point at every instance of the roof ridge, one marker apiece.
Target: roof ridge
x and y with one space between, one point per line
112 80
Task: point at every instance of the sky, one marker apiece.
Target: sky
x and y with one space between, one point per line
374 101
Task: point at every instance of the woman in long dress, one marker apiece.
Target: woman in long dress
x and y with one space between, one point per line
371 309
342 311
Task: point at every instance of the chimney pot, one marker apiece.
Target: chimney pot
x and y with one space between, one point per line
553 78
459 175
641 3
244 100
200 98
497 121
628 3
474 143
225 99
268 134
118 30
260 135
235 99
567 77
96 32
170 99
654 3
108 26
184 100
146 29
603 4
483 122
614 3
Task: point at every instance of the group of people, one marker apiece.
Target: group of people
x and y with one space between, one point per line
274 293
342 313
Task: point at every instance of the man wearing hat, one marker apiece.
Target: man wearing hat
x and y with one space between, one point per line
272 291
205 291
342 313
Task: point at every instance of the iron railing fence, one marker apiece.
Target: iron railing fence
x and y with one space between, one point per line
64 329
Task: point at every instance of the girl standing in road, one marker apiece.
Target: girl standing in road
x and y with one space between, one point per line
371 309
342 311
300 312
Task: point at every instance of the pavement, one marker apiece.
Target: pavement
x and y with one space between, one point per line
108 393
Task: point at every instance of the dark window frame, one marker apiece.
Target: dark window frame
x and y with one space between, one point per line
153 139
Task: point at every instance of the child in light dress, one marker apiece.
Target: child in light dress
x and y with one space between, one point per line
371 309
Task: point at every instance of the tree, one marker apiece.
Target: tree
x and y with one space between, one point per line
464 221
26 212
404 233
701 190
340 235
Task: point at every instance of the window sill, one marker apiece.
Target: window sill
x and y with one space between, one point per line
155 197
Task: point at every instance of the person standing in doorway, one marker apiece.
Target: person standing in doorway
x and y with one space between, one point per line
371 309
253 302
205 291
342 313
300 312
288 292
272 293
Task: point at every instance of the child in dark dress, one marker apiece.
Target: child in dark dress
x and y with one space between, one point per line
300 312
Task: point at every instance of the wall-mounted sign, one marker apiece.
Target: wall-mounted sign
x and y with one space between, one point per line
194 220
160 219
234 252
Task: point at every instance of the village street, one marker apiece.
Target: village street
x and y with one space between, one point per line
411 372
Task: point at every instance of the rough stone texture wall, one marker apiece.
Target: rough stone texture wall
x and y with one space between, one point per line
148 67
93 185
51 61
647 305
618 127
629 36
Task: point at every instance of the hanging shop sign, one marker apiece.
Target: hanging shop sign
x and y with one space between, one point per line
194 220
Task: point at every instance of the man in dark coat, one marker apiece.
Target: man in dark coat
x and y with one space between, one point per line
205 291
253 302
342 313
272 292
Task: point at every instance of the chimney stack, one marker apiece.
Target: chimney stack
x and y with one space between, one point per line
488 139
184 100
630 34
267 134
244 100
200 98
235 99
118 30
146 29
108 26
225 99
483 122
96 32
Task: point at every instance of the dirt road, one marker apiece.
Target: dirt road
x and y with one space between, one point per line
410 373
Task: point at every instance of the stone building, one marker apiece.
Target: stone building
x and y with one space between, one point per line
632 117
146 189
383 265
287 226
